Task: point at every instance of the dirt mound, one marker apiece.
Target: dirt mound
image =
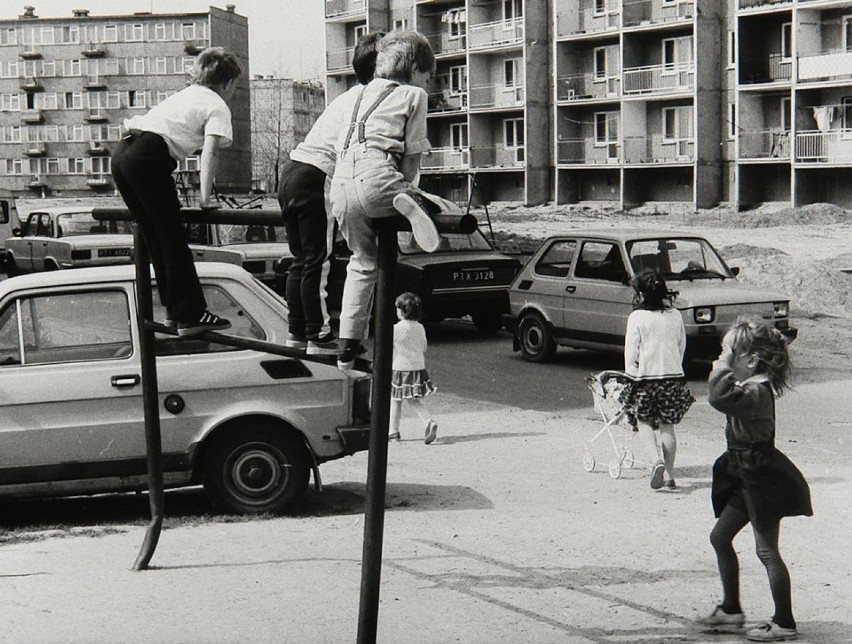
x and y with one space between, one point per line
771 215
735 251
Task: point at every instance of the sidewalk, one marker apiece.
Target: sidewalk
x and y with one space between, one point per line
493 534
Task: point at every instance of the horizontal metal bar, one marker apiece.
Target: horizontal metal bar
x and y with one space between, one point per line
445 223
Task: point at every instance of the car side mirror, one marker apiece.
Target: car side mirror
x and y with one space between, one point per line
16 232
735 270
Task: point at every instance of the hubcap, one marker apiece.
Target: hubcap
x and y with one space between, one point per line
256 472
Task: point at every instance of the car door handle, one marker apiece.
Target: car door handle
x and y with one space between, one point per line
128 380
570 288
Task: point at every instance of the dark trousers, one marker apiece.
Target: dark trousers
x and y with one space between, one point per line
142 169
302 200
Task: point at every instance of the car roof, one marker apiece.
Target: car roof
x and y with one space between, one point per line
60 211
626 234
106 274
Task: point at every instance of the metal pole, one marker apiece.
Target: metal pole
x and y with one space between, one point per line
377 463
150 400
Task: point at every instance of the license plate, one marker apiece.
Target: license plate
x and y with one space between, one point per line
473 275
113 252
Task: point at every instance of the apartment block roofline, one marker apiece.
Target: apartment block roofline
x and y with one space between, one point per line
77 14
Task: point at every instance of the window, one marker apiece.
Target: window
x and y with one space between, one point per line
847 33
46 101
71 34
187 31
160 65
732 120
513 133
458 136
786 114
669 54
556 261
9 36
101 165
14 134
457 21
600 7
187 62
113 100
77 133
77 165
159 31
606 128
458 80
133 33
72 67
136 98
600 260
110 33
359 32
400 24
513 72
787 41
14 166
600 63
846 114
47 337
512 10
677 124
137 66
46 36
10 102
73 100
48 68
732 48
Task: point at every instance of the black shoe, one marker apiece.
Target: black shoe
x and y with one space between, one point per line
207 322
347 351
324 345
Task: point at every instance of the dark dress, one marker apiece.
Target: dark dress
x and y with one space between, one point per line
753 474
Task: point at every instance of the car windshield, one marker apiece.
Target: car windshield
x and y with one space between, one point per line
450 242
249 234
73 224
677 259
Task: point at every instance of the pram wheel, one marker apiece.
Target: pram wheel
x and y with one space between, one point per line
628 460
615 468
588 462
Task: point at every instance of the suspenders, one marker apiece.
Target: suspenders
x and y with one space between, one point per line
359 123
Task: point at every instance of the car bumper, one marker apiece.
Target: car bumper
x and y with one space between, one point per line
355 438
457 303
709 343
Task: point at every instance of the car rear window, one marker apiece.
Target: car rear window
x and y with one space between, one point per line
602 261
556 260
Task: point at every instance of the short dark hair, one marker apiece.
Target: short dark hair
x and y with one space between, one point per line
410 305
652 294
364 58
403 52
215 66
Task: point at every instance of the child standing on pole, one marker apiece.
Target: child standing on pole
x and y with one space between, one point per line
197 117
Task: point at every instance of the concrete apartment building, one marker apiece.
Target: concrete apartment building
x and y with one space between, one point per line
68 83
627 101
283 111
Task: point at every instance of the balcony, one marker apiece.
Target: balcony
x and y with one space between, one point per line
773 143
587 86
815 146
30 83
657 12
339 60
447 101
658 149
587 151
195 46
98 180
659 79
35 149
93 49
758 4
497 157
443 43
495 34
496 96
586 21
446 159
32 116
828 65
36 182
96 148
30 52
94 82
96 115
338 9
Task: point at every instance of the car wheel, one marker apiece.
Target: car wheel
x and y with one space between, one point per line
255 468
12 269
50 265
536 343
487 323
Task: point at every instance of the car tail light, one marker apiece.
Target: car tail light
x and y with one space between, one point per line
361 401
81 254
255 267
781 309
704 314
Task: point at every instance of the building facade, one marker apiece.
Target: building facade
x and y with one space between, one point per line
283 111
67 84
627 101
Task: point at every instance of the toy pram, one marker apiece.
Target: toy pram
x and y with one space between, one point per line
606 387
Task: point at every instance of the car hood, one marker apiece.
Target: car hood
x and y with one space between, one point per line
99 241
719 293
273 250
422 260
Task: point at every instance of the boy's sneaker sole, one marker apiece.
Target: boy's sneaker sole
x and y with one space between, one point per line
208 322
422 227
771 632
317 348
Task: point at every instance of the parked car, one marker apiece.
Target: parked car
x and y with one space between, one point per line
248 426
575 292
58 238
465 276
8 222
257 248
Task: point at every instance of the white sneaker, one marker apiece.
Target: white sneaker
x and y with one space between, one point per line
296 342
431 432
720 618
771 632
422 227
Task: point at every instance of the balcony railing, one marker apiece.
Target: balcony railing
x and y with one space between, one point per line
834 146
780 67
657 79
584 86
93 49
658 149
35 149
30 83
98 180
339 59
343 8
443 43
446 101
496 96
502 32
764 144
585 21
30 52
446 159
753 4
499 156
653 12
93 81
830 64
32 116
587 151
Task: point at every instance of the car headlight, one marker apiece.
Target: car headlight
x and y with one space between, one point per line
781 309
704 314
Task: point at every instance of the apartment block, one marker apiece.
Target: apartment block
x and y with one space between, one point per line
627 101
68 83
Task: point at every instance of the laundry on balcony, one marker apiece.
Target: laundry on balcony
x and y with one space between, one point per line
823 115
